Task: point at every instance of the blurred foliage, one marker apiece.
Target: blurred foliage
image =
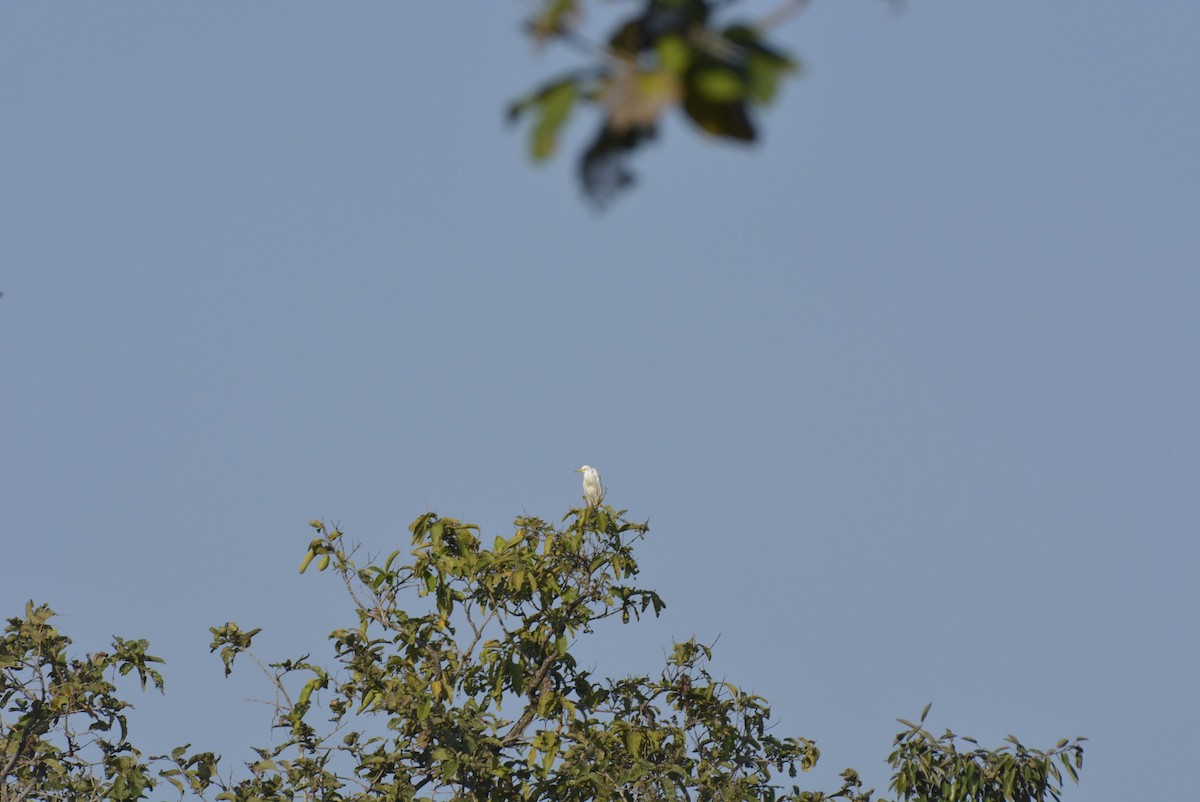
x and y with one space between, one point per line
663 54
456 679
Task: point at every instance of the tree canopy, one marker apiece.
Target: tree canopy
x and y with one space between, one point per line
456 678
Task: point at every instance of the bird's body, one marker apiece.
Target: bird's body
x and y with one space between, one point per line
593 490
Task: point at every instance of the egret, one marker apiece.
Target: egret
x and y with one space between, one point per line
593 490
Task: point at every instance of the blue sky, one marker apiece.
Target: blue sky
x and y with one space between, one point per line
908 393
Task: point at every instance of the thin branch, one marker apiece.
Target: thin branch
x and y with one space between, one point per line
577 40
465 655
536 684
782 14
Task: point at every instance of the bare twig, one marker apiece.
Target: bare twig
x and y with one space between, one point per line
782 14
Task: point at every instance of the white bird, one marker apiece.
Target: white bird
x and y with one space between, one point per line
593 490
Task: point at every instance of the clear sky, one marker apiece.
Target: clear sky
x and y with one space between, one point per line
909 393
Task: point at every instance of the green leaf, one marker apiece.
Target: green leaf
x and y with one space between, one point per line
553 104
674 54
720 119
765 66
764 75
387 565
555 108
718 84
307 690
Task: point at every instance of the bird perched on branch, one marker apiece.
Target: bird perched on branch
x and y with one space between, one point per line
593 490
